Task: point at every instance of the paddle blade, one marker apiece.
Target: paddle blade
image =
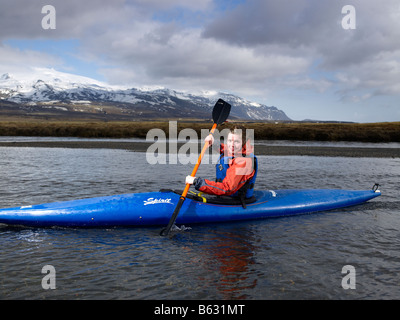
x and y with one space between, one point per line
164 232
221 111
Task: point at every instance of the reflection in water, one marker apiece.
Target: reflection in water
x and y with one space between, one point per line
229 255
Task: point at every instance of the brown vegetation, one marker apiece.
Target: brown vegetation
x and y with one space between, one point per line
365 132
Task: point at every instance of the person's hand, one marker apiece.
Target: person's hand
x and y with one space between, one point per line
190 179
209 139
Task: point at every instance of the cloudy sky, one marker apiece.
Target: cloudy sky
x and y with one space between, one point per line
293 54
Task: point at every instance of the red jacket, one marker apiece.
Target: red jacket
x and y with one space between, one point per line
240 170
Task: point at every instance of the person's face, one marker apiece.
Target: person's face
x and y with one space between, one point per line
234 143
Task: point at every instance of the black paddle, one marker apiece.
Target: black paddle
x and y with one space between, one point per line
219 114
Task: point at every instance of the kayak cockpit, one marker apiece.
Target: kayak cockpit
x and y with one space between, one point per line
212 199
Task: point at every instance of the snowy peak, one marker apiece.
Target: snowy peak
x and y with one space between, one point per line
63 91
5 76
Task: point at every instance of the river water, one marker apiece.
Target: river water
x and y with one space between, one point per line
298 257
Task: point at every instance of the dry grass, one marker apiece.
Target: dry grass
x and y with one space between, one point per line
367 132
364 132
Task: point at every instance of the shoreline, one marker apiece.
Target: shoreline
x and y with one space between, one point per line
358 152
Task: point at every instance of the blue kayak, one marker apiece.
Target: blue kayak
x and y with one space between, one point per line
156 208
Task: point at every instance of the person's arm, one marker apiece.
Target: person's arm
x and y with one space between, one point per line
236 176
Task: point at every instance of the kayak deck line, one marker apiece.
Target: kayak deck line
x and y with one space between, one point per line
155 208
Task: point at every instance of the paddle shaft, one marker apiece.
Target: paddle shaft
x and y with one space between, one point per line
171 222
196 167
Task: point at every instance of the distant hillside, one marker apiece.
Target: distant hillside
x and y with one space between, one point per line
49 93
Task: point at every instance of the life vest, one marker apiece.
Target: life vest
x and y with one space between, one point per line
248 187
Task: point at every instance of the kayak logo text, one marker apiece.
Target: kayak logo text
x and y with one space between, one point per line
155 201
164 149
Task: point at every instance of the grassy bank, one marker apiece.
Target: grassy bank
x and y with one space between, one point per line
365 132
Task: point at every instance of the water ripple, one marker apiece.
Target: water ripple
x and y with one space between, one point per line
286 258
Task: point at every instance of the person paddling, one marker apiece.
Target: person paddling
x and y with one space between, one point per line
236 170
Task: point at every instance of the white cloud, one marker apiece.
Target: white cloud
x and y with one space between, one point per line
16 60
255 48
380 75
365 58
183 60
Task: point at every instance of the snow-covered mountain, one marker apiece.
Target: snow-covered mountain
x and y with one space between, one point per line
48 90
